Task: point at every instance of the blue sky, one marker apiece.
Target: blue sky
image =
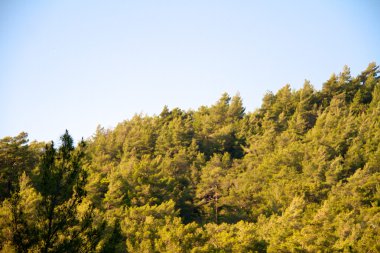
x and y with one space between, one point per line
76 64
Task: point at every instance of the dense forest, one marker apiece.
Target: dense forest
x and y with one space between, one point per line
299 174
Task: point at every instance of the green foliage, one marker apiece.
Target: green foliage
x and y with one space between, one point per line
16 157
157 229
45 216
299 174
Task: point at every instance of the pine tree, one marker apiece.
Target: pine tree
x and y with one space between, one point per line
45 217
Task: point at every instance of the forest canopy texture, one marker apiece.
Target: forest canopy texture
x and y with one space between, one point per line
299 174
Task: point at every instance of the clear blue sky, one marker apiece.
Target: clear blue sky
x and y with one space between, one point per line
76 64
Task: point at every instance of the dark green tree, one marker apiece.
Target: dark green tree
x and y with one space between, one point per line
16 156
60 222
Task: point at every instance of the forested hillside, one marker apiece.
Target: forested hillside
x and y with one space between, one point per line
299 174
